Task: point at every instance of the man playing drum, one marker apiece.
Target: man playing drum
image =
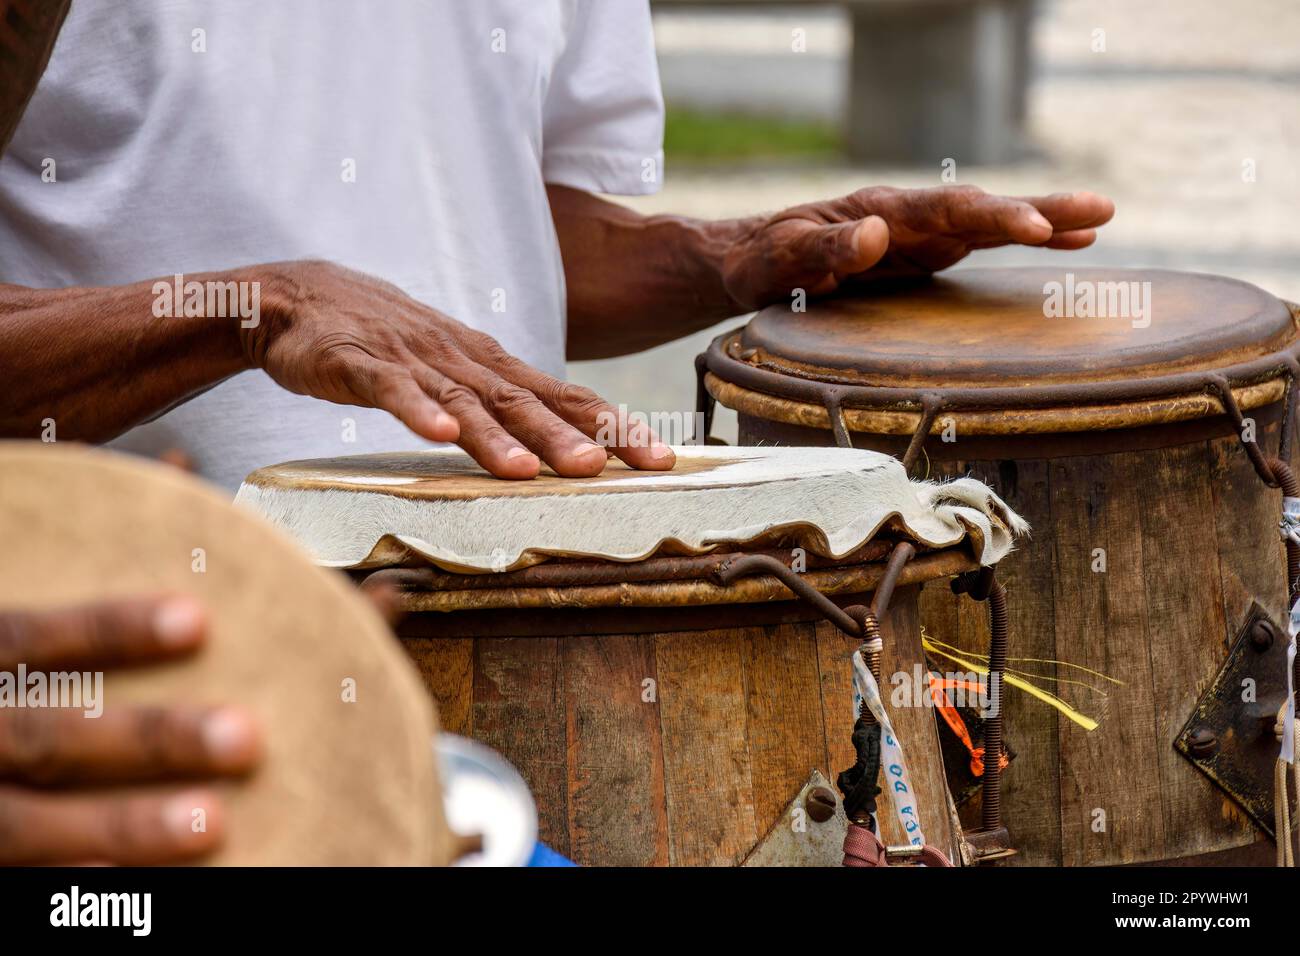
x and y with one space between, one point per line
218 218
393 209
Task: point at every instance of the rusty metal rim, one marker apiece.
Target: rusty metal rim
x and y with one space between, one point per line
1085 406
1043 421
563 573
845 579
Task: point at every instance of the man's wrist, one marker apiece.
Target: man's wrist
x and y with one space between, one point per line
699 251
279 288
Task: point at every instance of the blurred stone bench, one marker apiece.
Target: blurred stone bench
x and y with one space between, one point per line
929 80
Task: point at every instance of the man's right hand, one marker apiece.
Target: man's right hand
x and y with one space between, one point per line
350 338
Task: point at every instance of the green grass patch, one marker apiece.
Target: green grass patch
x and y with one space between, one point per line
694 136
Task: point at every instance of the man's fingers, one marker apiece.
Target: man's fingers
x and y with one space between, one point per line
984 215
481 435
521 412
1072 239
393 388
138 830
829 253
104 634
1072 211
631 440
515 395
56 746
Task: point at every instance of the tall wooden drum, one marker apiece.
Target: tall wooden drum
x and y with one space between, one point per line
1140 421
635 645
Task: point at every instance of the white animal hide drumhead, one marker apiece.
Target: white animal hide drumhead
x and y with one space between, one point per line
376 510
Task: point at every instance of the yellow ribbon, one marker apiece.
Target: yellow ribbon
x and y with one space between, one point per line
1012 678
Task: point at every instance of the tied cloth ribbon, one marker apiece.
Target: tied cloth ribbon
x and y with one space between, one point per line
939 693
898 784
1022 680
1286 725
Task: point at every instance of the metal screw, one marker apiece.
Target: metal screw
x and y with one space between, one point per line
1203 742
820 804
1262 635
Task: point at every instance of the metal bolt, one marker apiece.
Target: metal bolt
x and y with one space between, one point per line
1262 635
820 804
1203 742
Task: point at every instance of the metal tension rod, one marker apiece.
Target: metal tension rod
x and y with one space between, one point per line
846 620
982 585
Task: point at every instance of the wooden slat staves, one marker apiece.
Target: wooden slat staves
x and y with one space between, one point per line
785 733
1188 641
1110 784
834 650
615 751
1241 501
707 773
519 711
447 669
1031 790
1031 786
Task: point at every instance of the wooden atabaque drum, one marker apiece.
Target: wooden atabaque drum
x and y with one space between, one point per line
1094 403
659 711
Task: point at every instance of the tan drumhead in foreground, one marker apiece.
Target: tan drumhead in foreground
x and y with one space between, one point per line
342 783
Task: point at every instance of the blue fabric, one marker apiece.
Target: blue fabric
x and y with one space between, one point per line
543 855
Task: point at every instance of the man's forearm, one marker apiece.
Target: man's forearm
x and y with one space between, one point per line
637 281
98 361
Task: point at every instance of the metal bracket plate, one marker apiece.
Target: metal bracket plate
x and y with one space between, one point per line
1229 735
798 840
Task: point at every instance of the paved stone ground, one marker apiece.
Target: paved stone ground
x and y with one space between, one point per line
1163 121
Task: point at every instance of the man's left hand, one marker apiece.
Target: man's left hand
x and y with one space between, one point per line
882 232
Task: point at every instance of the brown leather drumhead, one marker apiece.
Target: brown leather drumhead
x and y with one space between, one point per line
1005 327
346 779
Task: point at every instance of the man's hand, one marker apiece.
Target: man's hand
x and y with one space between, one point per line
350 338
51 760
883 232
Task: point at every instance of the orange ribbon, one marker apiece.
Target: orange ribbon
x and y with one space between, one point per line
938 690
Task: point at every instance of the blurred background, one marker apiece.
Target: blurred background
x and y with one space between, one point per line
1185 112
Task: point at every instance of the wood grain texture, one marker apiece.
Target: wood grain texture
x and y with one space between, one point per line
1110 782
519 711
698 774
617 812
707 771
835 672
1188 640
447 669
1251 568
1182 529
784 715
1031 785
1031 789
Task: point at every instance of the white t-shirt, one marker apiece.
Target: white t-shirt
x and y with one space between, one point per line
410 139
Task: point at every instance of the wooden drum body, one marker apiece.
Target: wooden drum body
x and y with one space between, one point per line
1154 538
633 644
675 733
